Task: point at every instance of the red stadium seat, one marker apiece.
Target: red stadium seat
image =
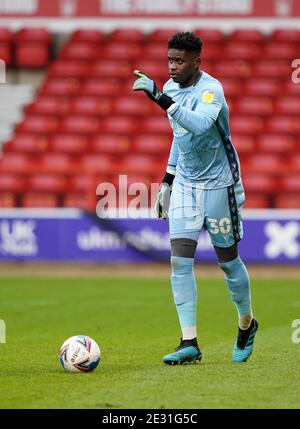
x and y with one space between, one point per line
246 35
6 46
212 51
27 143
33 34
280 51
244 144
158 51
118 125
253 105
10 183
262 87
131 35
74 124
130 179
6 53
32 47
288 201
87 105
6 35
32 55
62 87
49 105
161 35
209 35
111 68
81 201
271 68
56 163
242 51
275 143
7 200
39 200
80 51
255 183
138 164
46 183
264 164
293 165
256 201
69 68
104 87
72 144
289 88
290 184
151 144
121 51
232 87
110 144
286 35
233 69
283 125
82 191
287 105
88 36
158 123
246 124
84 183
15 163
131 106
38 124
99 165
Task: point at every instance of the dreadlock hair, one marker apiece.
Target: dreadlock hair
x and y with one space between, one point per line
186 41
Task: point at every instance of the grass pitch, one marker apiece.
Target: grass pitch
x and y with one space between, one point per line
135 323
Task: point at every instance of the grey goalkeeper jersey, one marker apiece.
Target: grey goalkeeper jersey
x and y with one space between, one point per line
201 150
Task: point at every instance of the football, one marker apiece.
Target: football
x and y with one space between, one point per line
80 353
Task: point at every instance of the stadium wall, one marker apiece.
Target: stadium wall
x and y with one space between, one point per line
61 235
68 15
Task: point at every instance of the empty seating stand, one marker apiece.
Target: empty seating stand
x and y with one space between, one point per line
86 126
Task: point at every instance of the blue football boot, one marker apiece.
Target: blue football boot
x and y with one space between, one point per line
243 346
187 351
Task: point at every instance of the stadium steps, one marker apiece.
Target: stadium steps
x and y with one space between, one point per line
13 98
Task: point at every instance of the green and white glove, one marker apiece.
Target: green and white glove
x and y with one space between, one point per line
146 84
162 202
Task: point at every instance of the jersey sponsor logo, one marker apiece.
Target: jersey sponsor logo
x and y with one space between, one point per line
208 96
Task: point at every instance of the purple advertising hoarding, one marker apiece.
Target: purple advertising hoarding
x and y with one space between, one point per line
70 235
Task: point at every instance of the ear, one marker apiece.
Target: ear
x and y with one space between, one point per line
197 62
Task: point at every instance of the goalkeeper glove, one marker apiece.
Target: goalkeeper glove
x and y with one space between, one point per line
144 83
162 202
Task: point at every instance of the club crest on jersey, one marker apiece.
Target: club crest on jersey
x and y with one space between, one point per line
208 96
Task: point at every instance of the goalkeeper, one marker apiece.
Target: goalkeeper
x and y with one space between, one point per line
203 173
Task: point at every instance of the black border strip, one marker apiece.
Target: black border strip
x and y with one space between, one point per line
230 153
233 213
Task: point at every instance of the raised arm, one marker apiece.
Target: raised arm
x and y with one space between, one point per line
206 113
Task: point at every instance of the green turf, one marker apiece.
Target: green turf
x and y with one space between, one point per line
135 324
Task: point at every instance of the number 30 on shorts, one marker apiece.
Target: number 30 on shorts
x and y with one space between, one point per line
223 226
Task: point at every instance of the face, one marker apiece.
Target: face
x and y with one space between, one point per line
183 66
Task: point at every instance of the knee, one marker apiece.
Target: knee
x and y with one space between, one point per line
231 267
182 255
181 266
